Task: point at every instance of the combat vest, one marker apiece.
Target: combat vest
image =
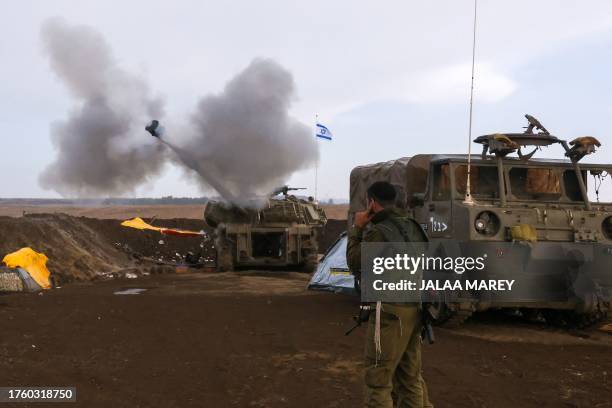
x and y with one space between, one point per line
400 228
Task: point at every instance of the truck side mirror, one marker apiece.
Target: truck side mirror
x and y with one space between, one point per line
417 200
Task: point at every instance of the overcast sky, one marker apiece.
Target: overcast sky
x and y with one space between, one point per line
389 79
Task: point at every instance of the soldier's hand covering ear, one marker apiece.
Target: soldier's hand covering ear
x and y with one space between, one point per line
362 218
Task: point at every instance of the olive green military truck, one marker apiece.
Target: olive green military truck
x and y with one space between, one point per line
532 216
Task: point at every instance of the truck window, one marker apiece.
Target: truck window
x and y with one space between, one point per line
483 181
441 182
535 183
570 182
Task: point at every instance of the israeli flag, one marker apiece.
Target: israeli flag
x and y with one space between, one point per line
323 132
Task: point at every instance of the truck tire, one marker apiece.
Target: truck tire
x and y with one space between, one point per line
449 317
568 319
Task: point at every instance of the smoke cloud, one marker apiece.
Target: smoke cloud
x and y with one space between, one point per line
243 142
100 146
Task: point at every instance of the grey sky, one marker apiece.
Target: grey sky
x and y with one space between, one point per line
388 78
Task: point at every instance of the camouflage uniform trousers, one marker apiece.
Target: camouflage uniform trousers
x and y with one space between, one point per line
393 378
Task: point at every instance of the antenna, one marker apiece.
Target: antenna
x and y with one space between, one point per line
468 190
317 165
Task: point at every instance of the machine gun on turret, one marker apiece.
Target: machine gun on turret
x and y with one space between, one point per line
284 190
534 123
500 145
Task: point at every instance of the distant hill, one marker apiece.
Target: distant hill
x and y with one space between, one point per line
97 202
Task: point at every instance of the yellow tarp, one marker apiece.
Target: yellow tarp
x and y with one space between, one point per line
33 262
139 223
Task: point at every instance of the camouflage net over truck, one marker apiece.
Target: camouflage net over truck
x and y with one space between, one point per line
281 234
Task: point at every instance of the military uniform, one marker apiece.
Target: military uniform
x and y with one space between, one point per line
393 375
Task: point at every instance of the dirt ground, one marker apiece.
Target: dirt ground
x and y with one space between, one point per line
247 339
262 340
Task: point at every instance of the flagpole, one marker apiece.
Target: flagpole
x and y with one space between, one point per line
317 165
316 179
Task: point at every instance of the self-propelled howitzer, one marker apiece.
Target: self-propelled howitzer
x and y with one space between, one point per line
281 233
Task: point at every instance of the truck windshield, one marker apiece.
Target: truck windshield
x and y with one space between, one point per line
483 181
536 183
525 183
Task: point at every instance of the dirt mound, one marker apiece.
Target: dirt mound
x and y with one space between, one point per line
330 233
154 245
75 251
81 248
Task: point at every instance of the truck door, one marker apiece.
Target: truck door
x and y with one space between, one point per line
437 210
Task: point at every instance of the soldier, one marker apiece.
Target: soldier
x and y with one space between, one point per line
393 373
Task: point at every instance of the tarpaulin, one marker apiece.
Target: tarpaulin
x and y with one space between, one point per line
34 263
333 273
139 223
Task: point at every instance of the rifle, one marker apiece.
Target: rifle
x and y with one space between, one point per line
428 316
362 317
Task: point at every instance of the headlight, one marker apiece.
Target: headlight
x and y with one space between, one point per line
487 223
480 225
606 227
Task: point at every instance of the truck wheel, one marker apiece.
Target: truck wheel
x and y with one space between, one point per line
445 312
586 320
576 319
558 318
573 320
447 317
457 318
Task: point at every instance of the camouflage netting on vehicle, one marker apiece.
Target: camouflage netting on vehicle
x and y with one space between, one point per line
289 210
407 174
